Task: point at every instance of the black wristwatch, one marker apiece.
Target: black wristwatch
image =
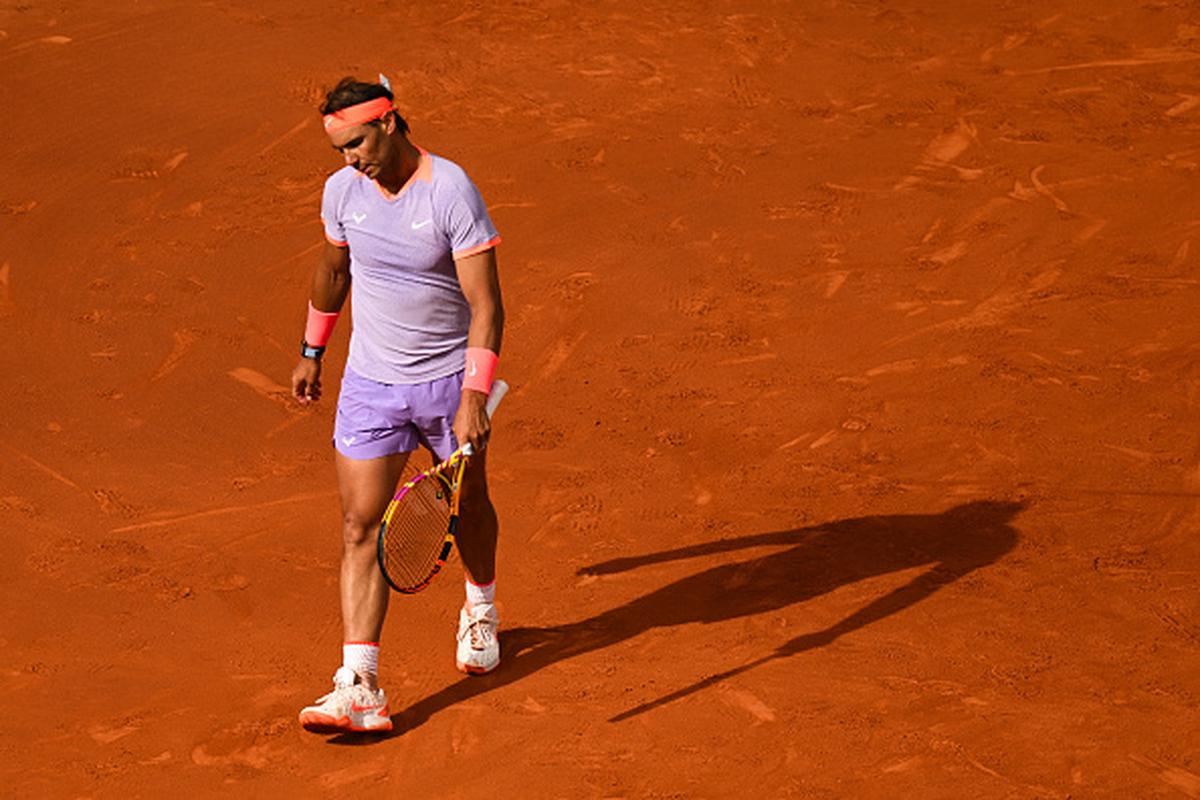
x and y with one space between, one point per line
309 351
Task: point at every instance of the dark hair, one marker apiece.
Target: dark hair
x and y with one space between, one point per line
351 91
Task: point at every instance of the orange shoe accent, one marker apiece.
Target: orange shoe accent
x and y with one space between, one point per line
323 723
317 722
381 710
469 670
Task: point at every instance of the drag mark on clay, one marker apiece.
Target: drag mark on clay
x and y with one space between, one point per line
902 367
1140 455
905 765
993 310
550 524
373 771
312 248
942 152
58 476
749 359
1177 777
6 303
948 146
292 131
183 342
1125 276
464 735
1189 102
174 161
933 230
948 255
1149 57
217 512
1043 190
110 502
58 40
559 353
892 368
1181 255
836 281
825 439
1090 231
961 752
793 442
263 385
254 755
1011 41
287 423
746 701
103 735
1176 621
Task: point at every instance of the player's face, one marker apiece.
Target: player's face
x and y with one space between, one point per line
367 148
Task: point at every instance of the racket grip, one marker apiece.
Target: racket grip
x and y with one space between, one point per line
499 389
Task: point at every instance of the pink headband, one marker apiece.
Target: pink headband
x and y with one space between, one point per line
357 114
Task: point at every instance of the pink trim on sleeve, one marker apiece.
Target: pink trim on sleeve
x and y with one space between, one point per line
335 242
479 248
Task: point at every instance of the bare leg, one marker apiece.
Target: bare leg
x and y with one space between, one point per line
478 528
366 488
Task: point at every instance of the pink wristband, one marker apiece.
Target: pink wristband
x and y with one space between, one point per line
320 325
480 369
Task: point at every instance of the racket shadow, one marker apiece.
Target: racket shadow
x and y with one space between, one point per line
813 561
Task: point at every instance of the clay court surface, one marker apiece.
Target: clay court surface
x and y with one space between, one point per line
852 450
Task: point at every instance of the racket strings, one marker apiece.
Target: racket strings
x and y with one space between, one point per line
417 524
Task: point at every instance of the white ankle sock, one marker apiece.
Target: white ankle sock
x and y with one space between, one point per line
362 657
480 595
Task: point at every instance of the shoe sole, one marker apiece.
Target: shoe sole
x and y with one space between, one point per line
470 669
315 722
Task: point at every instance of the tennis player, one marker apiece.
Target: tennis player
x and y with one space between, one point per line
410 240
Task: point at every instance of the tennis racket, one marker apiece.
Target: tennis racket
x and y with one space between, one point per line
419 525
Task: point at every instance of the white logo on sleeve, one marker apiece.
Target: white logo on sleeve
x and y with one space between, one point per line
349 440
416 226
358 218
471 372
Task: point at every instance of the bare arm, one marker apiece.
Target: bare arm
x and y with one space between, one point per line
330 284
479 278
331 278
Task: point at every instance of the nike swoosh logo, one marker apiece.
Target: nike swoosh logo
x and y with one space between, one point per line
473 370
349 440
361 709
416 226
359 217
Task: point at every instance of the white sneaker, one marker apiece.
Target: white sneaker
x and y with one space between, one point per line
478 647
350 706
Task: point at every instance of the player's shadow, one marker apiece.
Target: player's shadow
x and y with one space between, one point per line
814 560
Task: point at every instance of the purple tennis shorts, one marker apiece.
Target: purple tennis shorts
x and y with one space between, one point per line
380 419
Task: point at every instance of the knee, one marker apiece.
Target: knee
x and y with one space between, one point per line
357 531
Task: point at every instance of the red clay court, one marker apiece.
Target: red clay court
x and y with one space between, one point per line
852 450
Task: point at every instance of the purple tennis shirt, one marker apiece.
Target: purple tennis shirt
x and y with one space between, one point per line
410 317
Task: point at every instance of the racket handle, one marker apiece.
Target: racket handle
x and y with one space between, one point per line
499 389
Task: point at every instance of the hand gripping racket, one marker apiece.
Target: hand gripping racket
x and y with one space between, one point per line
419 525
